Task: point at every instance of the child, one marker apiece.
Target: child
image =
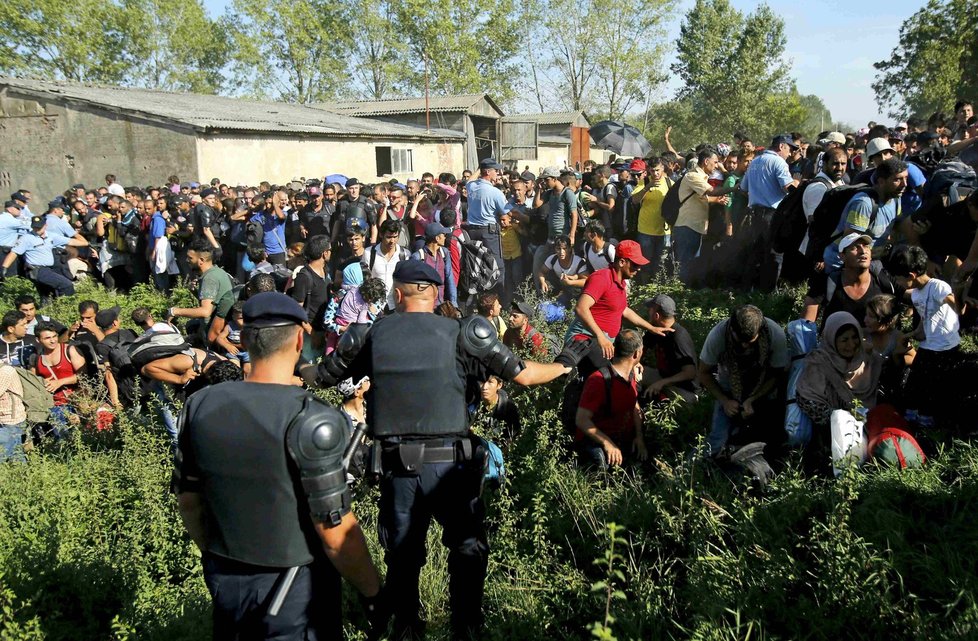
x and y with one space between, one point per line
884 338
938 353
230 338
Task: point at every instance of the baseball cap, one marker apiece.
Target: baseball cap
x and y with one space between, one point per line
433 229
352 182
550 172
314 190
416 271
836 137
489 163
528 176
10 203
854 237
208 192
272 309
896 135
194 185
56 204
106 317
783 139
665 304
876 146
77 186
630 249
37 222
637 165
302 196
522 307
18 197
180 198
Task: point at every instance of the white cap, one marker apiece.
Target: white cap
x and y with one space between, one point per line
116 190
836 137
877 145
853 238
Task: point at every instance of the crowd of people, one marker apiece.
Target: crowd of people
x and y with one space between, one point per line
438 281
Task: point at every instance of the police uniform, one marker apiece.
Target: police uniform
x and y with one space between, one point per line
11 228
431 465
265 479
45 267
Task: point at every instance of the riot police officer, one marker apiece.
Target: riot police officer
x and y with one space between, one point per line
262 491
425 370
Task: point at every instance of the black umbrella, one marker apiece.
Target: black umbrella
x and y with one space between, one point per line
620 138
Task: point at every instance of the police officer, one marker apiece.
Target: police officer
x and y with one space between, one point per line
431 465
38 250
13 224
262 491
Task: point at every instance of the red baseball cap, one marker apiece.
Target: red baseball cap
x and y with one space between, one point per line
637 165
630 249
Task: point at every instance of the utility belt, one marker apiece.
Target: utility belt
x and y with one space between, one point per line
409 456
492 228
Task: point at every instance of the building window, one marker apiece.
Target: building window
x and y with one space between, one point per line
394 161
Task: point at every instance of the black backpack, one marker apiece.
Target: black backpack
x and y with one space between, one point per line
821 231
87 350
120 364
671 203
254 233
572 397
952 182
789 223
480 271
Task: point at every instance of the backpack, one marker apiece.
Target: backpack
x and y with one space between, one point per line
87 350
37 400
572 397
671 203
952 181
790 224
604 252
480 271
896 448
156 345
120 364
254 232
402 254
821 231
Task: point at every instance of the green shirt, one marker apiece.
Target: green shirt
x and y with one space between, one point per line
216 286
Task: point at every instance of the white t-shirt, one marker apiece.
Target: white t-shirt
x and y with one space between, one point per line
576 266
939 319
596 260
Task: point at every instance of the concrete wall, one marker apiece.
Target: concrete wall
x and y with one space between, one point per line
46 147
244 159
549 155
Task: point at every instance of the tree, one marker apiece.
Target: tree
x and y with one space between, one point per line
735 76
83 40
935 63
378 53
470 46
292 50
176 46
818 118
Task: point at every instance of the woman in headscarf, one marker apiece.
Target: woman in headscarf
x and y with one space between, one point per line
840 374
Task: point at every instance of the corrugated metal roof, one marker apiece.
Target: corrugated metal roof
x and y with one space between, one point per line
218 113
552 118
394 106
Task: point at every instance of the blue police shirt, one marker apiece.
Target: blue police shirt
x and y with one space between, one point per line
857 215
765 180
12 228
486 203
59 226
37 251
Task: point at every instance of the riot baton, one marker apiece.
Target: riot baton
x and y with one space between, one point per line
351 447
282 591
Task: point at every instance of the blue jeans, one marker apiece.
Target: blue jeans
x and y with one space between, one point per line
719 429
165 410
653 248
686 244
11 442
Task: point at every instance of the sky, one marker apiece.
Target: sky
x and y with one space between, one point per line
832 45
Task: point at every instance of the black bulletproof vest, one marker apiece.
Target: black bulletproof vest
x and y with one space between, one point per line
414 368
256 511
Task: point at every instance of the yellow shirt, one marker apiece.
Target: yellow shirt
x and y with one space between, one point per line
510 240
694 213
650 220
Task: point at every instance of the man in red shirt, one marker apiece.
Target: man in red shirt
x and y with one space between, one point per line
609 427
522 335
604 303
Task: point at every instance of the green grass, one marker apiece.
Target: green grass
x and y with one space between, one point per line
91 546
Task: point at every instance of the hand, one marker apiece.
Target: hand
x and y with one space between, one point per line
188 376
572 353
612 453
661 331
655 388
545 287
729 231
639 450
89 324
747 409
232 349
639 370
724 200
51 385
75 327
731 407
607 347
303 231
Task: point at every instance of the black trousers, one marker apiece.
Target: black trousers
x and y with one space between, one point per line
450 493
241 594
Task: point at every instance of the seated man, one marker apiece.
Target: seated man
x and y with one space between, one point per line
522 335
609 419
669 359
749 354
